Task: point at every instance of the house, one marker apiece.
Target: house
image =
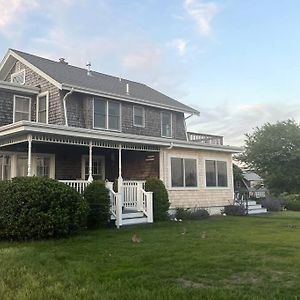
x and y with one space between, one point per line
251 186
77 125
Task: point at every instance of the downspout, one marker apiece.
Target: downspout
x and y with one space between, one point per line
65 105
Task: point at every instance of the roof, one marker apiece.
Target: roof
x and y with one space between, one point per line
252 177
68 75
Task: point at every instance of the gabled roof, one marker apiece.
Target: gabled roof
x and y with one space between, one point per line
67 76
252 176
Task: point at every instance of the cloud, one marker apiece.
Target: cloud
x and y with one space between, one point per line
202 13
233 121
181 46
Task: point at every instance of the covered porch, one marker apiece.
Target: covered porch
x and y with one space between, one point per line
78 161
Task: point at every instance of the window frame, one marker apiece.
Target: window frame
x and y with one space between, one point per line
107 115
161 124
143 116
14 108
85 159
227 173
47 106
15 74
184 157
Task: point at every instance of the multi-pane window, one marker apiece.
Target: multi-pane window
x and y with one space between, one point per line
138 116
22 166
18 77
21 108
107 114
42 108
43 166
98 166
166 124
5 167
216 173
183 172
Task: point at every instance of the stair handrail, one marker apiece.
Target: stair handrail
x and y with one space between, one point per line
115 203
147 204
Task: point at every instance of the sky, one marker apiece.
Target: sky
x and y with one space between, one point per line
236 61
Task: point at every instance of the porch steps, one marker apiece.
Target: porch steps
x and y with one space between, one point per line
255 209
134 221
131 217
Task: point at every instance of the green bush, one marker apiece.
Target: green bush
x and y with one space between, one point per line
235 210
97 197
39 208
292 201
188 214
161 202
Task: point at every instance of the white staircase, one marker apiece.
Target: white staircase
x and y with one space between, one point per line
255 209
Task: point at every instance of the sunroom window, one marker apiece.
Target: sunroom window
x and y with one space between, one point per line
21 108
216 173
183 172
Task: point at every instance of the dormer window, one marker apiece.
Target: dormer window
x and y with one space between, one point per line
166 124
138 116
18 77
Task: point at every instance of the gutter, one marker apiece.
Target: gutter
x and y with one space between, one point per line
65 105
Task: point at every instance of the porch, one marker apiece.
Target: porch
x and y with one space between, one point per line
77 162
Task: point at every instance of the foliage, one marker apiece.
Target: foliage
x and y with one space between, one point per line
97 197
273 152
272 204
292 201
161 202
237 173
188 214
234 210
39 208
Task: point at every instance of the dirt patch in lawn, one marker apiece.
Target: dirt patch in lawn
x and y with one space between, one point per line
186 283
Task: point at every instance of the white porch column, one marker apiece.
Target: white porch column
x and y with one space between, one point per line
120 179
90 179
29 155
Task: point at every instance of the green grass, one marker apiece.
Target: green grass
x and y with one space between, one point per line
217 258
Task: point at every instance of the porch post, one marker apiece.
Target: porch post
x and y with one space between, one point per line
29 155
120 179
90 179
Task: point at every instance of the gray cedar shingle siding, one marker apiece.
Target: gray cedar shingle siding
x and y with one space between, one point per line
55 101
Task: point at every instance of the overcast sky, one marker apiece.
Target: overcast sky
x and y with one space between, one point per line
236 61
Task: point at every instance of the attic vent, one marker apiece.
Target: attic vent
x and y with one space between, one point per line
88 67
62 60
127 88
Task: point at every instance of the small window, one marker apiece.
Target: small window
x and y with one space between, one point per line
21 108
22 166
107 114
183 172
18 77
166 124
216 173
42 108
5 167
138 116
43 166
98 168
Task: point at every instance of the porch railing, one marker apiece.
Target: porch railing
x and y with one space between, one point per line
205 138
132 194
78 185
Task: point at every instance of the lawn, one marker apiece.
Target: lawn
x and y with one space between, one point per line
218 258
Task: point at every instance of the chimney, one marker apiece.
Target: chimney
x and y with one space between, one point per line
127 88
88 66
62 60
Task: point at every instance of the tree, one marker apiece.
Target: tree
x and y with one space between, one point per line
237 173
273 151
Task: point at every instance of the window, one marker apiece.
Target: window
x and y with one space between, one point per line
21 108
107 114
166 124
43 166
98 168
5 167
183 172
138 116
18 77
22 166
216 173
42 108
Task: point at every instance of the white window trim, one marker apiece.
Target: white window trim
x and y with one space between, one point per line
14 156
161 125
47 105
16 74
14 106
138 125
85 158
228 187
192 188
107 118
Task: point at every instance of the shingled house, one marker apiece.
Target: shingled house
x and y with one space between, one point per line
78 125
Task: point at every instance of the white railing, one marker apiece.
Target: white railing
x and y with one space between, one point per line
78 185
115 204
147 205
205 138
132 194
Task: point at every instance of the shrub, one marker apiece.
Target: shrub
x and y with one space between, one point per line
272 204
97 197
188 214
235 210
161 202
39 208
292 201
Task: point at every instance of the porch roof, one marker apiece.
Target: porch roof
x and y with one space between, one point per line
17 132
